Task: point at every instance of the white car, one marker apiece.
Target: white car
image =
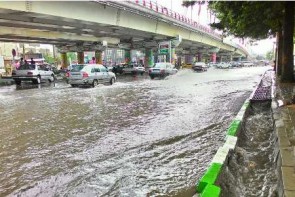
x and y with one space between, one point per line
199 66
90 74
34 73
223 65
247 63
134 69
2 72
162 70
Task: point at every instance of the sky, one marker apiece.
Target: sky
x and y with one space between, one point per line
262 47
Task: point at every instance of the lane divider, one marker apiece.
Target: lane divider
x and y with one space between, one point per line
206 185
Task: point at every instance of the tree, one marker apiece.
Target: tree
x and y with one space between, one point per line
49 59
259 20
71 56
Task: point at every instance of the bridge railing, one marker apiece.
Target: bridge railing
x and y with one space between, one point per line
154 6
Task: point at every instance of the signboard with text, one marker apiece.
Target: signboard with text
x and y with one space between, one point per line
164 47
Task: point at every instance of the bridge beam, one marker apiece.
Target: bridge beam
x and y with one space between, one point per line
33 34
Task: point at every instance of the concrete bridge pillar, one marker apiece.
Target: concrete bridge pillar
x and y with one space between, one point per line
149 58
213 57
173 56
98 57
80 57
189 59
127 56
199 57
179 62
64 60
230 58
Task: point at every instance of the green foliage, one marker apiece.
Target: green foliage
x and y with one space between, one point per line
270 55
254 19
49 59
72 56
189 3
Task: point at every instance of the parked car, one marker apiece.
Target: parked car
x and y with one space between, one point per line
118 69
90 74
247 63
2 72
235 64
212 64
223 65
34 73
133 69
162 70
199 66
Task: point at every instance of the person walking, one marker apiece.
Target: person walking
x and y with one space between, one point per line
32 61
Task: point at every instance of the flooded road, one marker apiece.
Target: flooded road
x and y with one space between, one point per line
139 137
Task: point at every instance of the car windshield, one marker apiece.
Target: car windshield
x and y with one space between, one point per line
27 67
77 68
160 66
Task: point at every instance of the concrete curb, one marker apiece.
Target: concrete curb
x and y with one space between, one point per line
206 185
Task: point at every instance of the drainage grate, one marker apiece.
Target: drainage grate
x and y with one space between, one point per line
262 94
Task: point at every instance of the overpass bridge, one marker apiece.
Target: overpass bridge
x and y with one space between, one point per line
79 26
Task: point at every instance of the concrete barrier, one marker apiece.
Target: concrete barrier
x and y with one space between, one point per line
211 191
206 185
209 177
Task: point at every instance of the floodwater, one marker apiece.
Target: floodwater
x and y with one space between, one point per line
138 137
251 169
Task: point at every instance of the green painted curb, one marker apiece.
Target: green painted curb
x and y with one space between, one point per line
211 191
233 128
246 104
209 177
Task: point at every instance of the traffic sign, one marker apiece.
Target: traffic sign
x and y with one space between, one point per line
164 47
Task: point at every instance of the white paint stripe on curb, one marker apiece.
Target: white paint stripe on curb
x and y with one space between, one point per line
230 142
220 155
239 116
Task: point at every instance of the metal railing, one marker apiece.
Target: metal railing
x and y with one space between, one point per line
154 6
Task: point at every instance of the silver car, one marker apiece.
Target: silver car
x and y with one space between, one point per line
90 74
34 73
162 70
134 69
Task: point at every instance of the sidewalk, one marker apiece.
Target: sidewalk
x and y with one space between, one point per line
284 125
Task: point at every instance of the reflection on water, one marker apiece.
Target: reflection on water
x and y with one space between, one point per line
135 138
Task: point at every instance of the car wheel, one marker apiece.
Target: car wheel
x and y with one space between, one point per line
152 77
74 85
17 82
51 79
112 81
94 83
